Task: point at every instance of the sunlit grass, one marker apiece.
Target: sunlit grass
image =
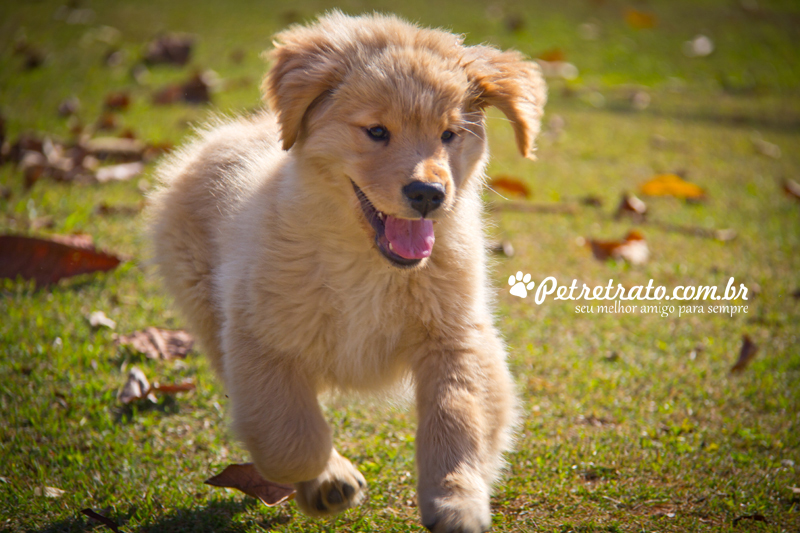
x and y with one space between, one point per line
629 422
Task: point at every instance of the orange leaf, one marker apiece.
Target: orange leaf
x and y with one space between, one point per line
510 185
47 261
639 19
245 477
553 54
672 185
632 249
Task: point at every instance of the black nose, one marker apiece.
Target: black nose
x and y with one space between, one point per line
424 197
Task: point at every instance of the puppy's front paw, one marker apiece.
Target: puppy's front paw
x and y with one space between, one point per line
339 487
455 511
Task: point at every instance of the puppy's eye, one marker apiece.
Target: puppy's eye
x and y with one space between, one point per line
448 136
378 133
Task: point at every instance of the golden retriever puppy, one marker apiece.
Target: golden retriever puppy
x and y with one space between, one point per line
335 243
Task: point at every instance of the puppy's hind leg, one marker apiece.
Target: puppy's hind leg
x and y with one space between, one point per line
278 418
466 407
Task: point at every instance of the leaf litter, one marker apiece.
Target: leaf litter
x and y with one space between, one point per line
48 260
245 478
156 343
137 387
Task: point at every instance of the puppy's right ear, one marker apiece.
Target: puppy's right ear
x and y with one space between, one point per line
305 67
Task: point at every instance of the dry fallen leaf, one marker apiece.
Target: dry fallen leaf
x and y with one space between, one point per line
245 477
172 388
632 207
754 517
157 343
102 519
116 148
746 354
195 90
765 148
99 319
136 387
672 185
510 185
632 249
503 246
49 492
117 101
47 261
552 54
639 19
792 188
171 48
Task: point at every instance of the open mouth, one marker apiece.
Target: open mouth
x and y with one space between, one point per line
402 241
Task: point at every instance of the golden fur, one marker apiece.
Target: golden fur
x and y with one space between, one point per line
267 248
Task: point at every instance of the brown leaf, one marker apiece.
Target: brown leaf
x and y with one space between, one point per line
135 388
792 188
639 19
553 54
102 519
632 207
117 101
32 56
510 185
107 121
592 200
754 517
158 343
47 261
245 477
632 249
746 354
171 48
195 90
105 209
672 185
69 107
172 388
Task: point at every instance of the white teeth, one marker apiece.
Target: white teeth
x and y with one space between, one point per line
390 246
380 215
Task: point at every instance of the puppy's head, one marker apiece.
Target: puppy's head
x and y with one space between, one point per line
395 112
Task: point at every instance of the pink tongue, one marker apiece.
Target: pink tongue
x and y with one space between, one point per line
411 239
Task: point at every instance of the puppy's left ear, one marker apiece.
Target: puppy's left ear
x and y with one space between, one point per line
305 67
512 85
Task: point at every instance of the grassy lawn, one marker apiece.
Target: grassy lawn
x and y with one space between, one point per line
631 422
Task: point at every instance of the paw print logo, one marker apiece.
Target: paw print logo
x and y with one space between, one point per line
520 285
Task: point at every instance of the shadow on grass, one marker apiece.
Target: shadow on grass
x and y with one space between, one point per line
216 517
166 405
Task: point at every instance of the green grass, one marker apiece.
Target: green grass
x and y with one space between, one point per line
630 422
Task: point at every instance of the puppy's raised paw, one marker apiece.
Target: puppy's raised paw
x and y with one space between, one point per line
339 487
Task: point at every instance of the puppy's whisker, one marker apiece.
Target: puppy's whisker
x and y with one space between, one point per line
495 191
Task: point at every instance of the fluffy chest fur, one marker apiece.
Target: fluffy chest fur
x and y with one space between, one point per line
306 284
